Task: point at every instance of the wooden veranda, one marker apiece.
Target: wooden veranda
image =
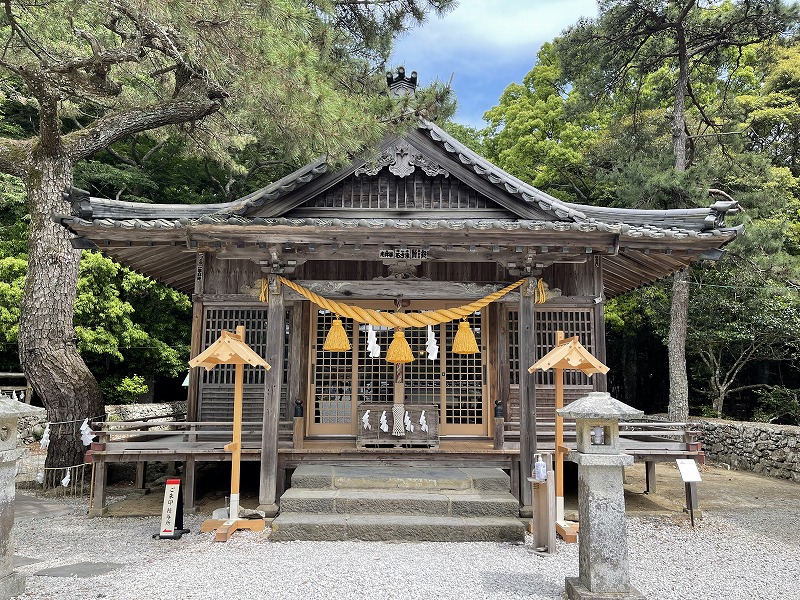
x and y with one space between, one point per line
190 443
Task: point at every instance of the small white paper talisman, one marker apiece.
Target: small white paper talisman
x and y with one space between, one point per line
688 469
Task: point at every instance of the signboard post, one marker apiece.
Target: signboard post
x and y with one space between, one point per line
172 512
690 476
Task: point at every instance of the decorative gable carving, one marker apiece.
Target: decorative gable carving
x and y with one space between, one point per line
402 159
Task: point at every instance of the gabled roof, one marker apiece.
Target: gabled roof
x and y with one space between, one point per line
525 217
228 349
569 353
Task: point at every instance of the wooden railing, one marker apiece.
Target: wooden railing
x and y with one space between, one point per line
645 431
189 431
8 388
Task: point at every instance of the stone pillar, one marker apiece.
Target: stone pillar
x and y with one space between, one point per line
603 540
11 583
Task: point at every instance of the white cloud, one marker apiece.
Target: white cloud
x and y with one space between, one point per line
485 45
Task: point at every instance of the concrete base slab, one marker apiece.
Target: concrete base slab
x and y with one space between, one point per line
21 561
82 569
12 585
577 591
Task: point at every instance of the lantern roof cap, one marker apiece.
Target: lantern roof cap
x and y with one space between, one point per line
599 405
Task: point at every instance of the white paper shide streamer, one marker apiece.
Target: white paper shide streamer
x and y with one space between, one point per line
45 441
373 347
407 421
423 422
67 477
365 420
431 346
87 435
384 423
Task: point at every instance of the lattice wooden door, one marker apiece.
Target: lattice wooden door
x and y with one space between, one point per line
464 399
340 380
332 376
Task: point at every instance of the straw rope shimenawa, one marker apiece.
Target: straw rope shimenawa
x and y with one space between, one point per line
395 320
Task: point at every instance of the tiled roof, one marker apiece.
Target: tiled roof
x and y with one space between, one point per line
642 222
622 229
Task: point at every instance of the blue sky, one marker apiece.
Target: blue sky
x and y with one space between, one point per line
485 45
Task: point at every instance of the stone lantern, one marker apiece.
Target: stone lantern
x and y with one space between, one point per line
11 584
603 541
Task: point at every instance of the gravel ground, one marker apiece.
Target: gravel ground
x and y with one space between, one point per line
734 554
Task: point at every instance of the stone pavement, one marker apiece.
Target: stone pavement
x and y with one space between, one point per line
28 507
81 569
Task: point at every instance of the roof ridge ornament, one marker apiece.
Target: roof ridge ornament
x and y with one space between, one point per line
402 159
400 85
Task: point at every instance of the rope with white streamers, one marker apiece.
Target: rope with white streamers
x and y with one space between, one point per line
394 320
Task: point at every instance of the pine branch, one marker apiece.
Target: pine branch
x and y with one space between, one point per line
195 102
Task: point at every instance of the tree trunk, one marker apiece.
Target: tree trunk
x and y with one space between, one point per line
47 349
679 312
676 347
718 403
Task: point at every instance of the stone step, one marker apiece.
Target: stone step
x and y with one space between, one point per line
467 503
289 526
402 478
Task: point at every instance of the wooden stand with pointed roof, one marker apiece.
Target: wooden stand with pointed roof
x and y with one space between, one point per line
568 353
231 349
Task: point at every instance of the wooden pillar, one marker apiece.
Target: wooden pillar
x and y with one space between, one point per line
276 330
499 431
141 474
235 447
503 364
98 501
600 380
558 378
527 392
295 373
193 391
189 472
650 476
298 432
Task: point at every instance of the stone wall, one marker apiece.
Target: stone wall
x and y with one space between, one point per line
772 450
30 429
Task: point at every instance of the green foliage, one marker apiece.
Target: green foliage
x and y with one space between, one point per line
129 325
12 280
631 312
13 216
538 134
596 120
739 316
778 404
123 390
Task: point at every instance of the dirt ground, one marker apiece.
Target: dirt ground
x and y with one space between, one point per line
722 490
